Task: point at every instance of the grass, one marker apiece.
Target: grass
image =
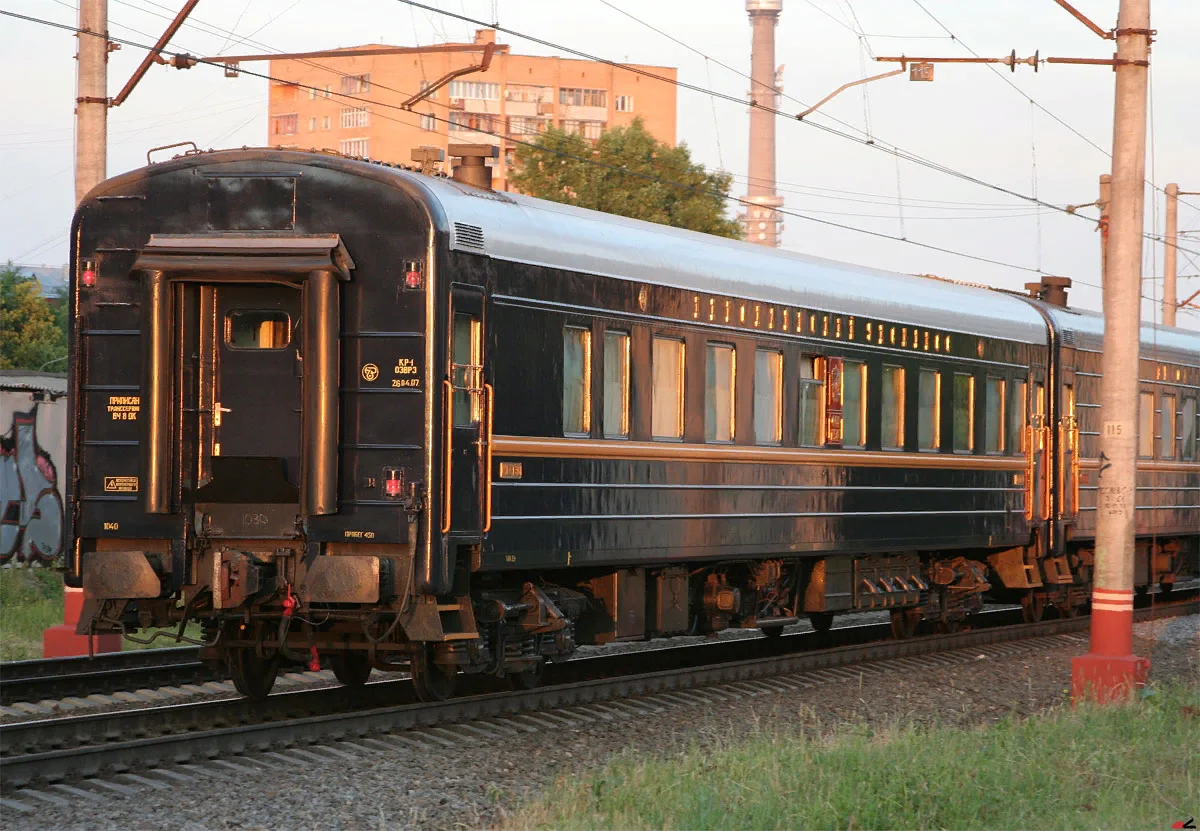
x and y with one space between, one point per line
31 600
1131 766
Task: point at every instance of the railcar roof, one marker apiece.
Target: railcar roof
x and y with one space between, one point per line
523 229
1165 343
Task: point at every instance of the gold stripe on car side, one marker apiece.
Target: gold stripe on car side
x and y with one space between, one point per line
524 446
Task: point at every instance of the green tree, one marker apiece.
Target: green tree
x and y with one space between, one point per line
31 332
634 175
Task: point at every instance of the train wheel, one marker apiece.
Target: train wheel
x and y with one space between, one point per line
252 676
1165 590
948 626
432 683
821 622
1033 606
905 622
351 668
772 633
529 679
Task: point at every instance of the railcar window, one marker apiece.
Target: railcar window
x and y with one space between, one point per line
812 401
993 415
719 383
1188 433
1168 427
893 408
666 411
1016 415
616 384
577 381
466 377
964 413
854 404
1146 425
258 329
929 410
768 396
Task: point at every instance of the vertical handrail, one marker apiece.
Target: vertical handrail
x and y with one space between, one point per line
1030 471
156 390
487 462
448 390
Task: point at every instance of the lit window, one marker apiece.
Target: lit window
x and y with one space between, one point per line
993 425
624 103
1146 425
616 385
892 424
854 404
719 383
666 411
354 147
812 401
253 329
466 369
1188 431
964 413
1016 414
577 381
929 410
1168 427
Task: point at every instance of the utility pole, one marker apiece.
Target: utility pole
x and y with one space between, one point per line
1105 199
1169 304
91 97
1110 670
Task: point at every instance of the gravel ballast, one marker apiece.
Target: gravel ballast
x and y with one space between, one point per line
473 784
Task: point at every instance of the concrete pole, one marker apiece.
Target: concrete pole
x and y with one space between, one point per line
91 102
762 219
1169 302
1105 202
1110 670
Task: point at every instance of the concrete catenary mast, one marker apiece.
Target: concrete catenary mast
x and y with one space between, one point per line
762 220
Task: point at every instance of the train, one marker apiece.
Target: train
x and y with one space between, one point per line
336 410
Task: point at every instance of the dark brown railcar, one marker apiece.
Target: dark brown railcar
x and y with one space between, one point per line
324 404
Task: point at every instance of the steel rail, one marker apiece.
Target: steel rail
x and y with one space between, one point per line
82 676
128 754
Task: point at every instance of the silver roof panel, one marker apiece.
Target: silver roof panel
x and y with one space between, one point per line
1166 343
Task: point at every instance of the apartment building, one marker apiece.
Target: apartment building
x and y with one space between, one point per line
350 103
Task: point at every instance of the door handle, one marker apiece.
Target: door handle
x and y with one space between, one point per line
216 411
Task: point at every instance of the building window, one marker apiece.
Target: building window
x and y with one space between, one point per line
929 410
481 122
1016 415
524 125
1146 425
577 381
892 424
576 97
590 130
720 374
312 93
964 413
1188 431
474 89
1168 427
768 396
286 125
812 401
353 147
429 122
312 124
528 94
616 385
328 91
355 117
354 85
854 404
431 96
666 410
624 103
993 415
326 123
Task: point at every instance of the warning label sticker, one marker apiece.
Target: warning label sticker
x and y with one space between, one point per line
120 484
124 408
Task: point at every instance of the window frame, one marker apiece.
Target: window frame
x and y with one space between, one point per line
627 365
1002 426
1145 413
817 381
864 377
1163 422
227 326
1189 426
899 408
935 414
585 383
778 397
710 349
970 398
1020 412
681 398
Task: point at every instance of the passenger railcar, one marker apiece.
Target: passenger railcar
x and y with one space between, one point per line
330 407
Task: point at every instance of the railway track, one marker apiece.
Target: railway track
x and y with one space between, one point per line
75 748
106 672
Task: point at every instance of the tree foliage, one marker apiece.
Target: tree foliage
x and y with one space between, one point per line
32 331
630 173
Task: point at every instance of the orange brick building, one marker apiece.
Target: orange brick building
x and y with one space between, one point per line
517 98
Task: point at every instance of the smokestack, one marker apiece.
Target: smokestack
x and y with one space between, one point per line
762 222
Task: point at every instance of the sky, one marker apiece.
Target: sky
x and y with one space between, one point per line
977 121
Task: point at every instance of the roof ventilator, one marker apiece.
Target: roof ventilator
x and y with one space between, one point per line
471 167
1052 290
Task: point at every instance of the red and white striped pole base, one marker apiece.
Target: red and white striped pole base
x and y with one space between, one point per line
1109 671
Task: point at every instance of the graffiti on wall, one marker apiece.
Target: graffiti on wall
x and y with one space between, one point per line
31 509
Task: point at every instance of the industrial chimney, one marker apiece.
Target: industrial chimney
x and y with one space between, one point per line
761 222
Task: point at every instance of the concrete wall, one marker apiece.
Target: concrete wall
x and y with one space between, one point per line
33 451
